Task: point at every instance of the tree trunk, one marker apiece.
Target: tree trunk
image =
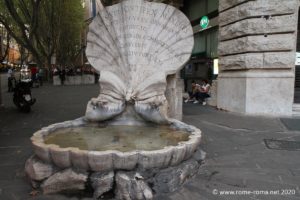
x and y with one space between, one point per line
48 68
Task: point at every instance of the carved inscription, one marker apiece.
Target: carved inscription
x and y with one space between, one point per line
141 33
136 33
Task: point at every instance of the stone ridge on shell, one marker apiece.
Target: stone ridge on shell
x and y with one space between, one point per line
136 38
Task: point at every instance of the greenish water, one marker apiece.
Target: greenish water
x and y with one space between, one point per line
121 138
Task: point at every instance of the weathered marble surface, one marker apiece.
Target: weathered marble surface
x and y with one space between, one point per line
135 44
38 170
66 180
102 182
101 161
138 184
174 95
130 185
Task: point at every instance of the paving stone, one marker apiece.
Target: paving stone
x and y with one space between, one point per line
293 124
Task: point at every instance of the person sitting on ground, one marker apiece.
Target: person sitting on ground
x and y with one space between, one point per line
192 92
202 92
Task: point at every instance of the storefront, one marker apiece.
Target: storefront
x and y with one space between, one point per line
203 15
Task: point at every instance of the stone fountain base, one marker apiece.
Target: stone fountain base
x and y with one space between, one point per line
136 174
135 184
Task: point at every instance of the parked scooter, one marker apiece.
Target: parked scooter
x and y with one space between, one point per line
22 94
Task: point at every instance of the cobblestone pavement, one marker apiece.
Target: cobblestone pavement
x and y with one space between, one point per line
238 162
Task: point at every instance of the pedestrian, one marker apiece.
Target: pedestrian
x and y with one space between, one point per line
41 75
62 75
10 79
33 70
55 71
78 71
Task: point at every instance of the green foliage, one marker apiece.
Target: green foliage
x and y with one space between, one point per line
45 27
71 29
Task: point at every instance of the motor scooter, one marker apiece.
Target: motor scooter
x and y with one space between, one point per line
22 97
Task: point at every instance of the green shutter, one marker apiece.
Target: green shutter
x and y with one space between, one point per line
212 43
200 43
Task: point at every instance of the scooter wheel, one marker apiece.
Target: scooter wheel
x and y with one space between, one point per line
26 109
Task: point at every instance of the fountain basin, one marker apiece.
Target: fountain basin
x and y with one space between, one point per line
159 150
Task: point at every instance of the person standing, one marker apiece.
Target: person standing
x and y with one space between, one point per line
33 70
41 76
62 75
10 79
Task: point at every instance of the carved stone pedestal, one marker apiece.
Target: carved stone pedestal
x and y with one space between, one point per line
135 184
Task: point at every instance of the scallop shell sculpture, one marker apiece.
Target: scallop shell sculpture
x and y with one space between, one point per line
134 45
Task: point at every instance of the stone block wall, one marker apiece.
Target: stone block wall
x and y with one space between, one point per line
257 43
212 101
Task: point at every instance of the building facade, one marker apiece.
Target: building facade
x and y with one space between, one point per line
205 52
257 44
9 49
249 46
253 47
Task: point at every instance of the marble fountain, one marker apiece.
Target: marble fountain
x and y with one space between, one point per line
126 144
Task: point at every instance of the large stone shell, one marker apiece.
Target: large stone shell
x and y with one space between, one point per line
136 39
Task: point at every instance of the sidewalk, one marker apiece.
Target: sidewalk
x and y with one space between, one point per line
237 157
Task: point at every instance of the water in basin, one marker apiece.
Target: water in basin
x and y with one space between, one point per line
121 138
